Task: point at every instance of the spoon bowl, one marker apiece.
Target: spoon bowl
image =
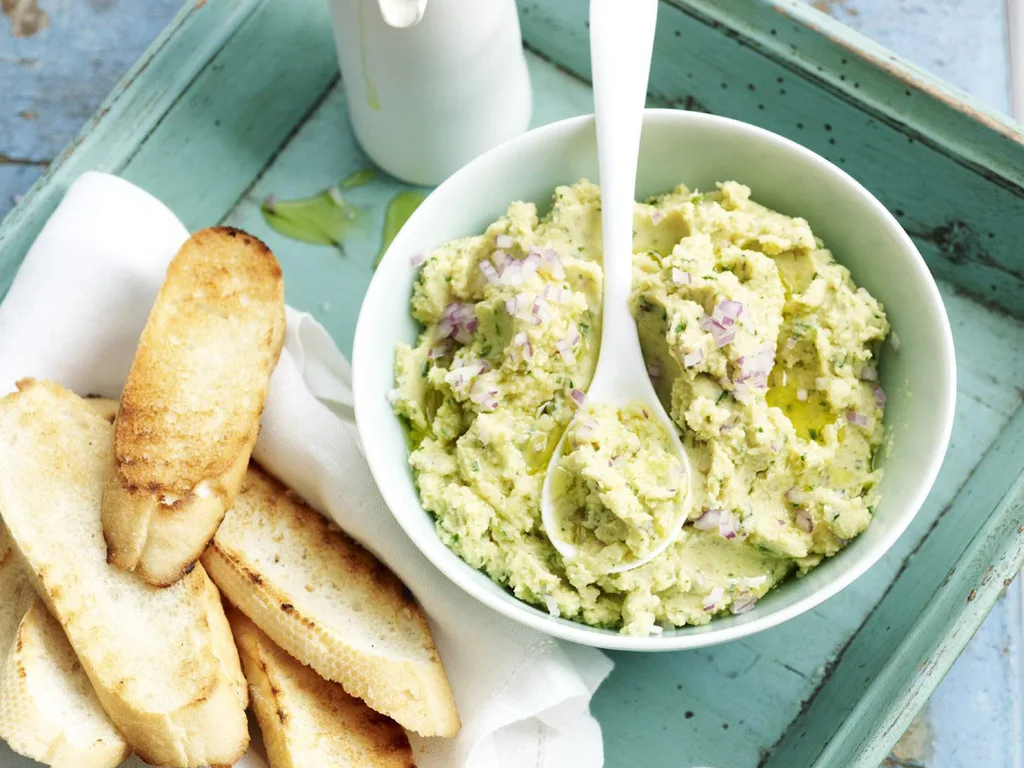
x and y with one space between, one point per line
621 43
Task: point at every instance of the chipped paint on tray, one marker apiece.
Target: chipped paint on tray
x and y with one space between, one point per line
25 17
915 748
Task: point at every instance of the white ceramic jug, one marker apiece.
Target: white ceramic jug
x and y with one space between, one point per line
431 85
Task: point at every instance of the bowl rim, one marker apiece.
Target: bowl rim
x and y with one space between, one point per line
455 569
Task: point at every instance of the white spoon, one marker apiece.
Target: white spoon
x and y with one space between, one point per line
621 41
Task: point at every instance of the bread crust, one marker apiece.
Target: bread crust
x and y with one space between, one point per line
308 721
331 604
52 467
189 414
57 721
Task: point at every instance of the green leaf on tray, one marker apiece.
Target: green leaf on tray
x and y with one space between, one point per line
324 219
400 208
359 178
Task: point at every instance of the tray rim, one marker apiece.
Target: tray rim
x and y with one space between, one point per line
132 101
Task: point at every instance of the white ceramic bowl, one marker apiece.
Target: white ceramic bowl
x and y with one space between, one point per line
698 150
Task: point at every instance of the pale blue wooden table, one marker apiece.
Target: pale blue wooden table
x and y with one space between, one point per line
52 80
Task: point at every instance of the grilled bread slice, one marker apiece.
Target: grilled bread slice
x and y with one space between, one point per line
16 592
191 406
309 721
331 604
162 661
48 708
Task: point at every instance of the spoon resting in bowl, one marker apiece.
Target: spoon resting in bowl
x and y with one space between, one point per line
617 487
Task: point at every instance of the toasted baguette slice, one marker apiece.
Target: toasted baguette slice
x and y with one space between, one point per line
191 406
48 708
16 592
309 721
162 661
330 604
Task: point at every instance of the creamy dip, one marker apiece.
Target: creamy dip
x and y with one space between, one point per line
618 487
760 346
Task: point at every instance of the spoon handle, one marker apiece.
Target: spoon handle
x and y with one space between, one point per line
621 42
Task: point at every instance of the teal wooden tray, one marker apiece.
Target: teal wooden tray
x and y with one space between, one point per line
240 99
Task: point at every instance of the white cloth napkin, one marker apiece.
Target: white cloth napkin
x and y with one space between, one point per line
74 314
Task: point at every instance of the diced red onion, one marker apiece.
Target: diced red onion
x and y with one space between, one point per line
489 272
880 397
458 321
539 309
523 341
727 312
724 338
776 445
743 604
464 333
795 496
693 358
708 521
897 345
741 391
517 303
586 429
417 258
803 520
440 349
556 293
681 278
573 336
578 396
801 395
857 418
552 605
483 393
565 350
528 266
728 524
552 264
711 602
503 241
656 216
719 332
756 367
868 373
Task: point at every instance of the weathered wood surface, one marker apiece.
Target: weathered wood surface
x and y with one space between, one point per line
207 157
